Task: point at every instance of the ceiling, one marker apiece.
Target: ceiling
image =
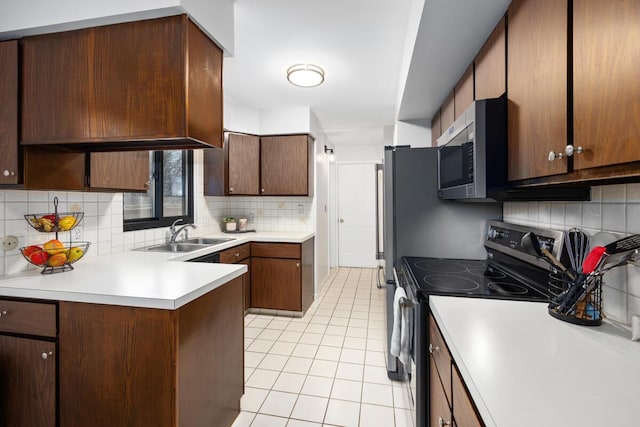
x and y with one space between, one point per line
361 46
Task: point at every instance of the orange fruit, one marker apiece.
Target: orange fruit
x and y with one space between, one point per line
54 246
57 260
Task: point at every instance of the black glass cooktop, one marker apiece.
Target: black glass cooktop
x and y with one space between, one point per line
478 278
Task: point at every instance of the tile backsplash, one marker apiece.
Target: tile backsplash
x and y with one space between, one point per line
103 217
614 209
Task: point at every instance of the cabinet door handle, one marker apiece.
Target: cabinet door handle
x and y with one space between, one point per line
3 313
297 264
442 422
230 189
570 150
554 156
433 348
147 184
262 190
45 355
7 172
237 255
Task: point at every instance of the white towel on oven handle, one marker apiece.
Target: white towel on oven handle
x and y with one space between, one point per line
406 335
394 345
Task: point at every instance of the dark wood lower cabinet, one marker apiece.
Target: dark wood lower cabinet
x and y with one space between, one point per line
449 401
127 366
439 408
282 275
247 283
27 382
276 283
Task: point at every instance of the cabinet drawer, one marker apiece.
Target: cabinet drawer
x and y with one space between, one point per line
441 356
276 250
28 318
235 254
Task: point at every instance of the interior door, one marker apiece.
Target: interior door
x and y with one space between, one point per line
357 215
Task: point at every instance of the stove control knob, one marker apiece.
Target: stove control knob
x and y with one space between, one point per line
494 234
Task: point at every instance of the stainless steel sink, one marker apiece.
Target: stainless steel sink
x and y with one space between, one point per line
188 245
206 241
175 247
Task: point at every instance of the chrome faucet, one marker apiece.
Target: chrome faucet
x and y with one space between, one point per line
175 232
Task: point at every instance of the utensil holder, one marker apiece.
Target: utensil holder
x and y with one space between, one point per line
576 301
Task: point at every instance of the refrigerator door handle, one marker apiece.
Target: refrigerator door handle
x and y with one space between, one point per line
379 211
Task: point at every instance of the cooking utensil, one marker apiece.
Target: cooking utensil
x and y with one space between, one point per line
586 290
577 244
532 245
594 265
625 244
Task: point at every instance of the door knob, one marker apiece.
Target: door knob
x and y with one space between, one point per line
46 355
341 220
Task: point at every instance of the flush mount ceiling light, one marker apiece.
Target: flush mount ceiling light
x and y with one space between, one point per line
305 75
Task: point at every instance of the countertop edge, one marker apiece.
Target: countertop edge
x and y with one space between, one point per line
487 418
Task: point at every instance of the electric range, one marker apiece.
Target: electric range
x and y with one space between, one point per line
509 272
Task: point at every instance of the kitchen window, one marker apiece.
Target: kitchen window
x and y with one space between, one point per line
170 194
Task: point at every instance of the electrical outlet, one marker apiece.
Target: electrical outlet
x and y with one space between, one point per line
252 217
9 243
76 234
301 209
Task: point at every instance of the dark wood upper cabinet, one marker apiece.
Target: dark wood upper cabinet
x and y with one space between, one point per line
286 165
491 65
234 170
436 129
606 87
9 173
463 92
537 87
52 169
119 170
447 113
148 84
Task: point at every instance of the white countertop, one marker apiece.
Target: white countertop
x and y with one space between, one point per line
138 278
524 368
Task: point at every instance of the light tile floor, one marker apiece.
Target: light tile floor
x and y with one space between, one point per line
327 368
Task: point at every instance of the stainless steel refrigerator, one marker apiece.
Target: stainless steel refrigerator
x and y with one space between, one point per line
417 223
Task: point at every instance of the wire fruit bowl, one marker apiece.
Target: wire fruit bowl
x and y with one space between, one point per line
54 222
55 260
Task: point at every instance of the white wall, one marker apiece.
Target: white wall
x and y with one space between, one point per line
27 17
359 153
416 133
321 205
285 121
241 119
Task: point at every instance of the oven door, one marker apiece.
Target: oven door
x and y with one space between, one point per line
415 383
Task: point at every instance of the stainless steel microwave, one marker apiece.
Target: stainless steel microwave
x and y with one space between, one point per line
472 153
